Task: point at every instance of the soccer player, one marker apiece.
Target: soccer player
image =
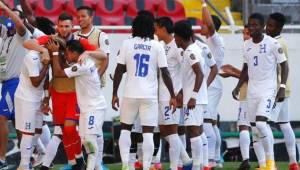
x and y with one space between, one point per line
194 89
90 96
243 116
13 33
280 114
262 53
168 121
216 44
141 57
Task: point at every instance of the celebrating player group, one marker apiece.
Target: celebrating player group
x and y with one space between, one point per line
172 88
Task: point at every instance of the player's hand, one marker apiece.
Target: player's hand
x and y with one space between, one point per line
179 99
45 106
52 46
173 104
280 95
114 102
191 104
235 93
45 57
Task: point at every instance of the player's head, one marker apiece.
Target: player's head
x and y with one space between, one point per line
163 26
73 50
85 16
147 14
217 22
64 25
183 33
275 24
256 23
246 33
143 27
45 25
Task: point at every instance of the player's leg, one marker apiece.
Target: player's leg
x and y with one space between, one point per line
133 150
157 150
210 133
37 144
185 160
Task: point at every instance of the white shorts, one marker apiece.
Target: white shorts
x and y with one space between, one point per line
243 116
28 115
281 112
137 127
193 117
145 109
91 123
260 106
214 97
166 117
181 117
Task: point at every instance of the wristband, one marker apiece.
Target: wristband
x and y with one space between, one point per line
282 86
204 5
194 95
55 53
46 92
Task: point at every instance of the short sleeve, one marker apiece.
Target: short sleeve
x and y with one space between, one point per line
77 70
104 42
25 37
37 33
32 64
161 56
209 59
278 53
192 57
121 59
42 40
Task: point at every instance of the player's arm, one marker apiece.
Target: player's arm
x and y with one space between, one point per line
104 44
169 84
198 81
243 78
284 75
37 79
28 12
45 103
119 71
207 19
57 69
212 74
230 71
20 27
37 45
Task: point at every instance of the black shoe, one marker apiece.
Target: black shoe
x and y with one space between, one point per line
44 168
3 165
245 165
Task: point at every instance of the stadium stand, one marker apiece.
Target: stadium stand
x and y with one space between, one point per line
171 8
49 8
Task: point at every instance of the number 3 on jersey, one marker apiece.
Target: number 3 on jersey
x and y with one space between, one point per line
255 60
141 64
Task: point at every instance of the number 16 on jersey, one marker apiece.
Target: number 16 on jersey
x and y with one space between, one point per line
141 64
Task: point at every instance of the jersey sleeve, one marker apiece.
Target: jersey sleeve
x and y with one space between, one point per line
42 40
77 70
161 57
26 36
32 64
86 45
37 33
209 58
192 58
104 42
216 42
121 59
278 53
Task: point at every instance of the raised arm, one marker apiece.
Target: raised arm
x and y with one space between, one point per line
20 27
207 19
28 12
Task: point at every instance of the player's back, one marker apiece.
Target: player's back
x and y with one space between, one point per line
142 58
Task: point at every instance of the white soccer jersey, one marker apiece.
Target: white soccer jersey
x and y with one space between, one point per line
87 84
174 59
31 67
262 59
208 57
143 58
217 47
191 56
37 33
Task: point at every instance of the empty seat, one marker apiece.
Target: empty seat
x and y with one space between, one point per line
110 12
136 5
72 5
49 7
195 21
171 8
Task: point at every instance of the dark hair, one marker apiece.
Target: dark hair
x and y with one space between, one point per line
165 22
258 17
21 14
217 22
279 18
147 14
246 26
75 46
143 27
65 16
45 25
89 10
184 30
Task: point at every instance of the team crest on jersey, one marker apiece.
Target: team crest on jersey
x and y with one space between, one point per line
74 68
192 56
106 42
280 50
209 55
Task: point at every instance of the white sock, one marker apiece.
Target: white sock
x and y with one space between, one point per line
174 150
139 152
26 150
51 150
205 150
184 157
290 141
183 140
197 149
46 135
211 139
183 151
100 142
148 149
124 144
90 144
270 132
37 143
157 157
244 144
218 144
132 159
266 139
258 147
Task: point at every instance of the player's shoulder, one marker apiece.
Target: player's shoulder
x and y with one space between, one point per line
193 49
270 39
32 56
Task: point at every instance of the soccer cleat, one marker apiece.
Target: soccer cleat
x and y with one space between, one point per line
179 168
44 168
187 166
218 165
138 165
294 166
155 166
270 165
262 168
245 165
38 160
66 167
206 168
3 165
